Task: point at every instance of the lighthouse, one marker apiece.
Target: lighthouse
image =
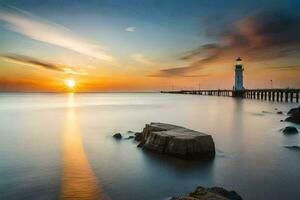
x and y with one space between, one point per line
238 86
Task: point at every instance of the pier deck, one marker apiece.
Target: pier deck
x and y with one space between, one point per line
281 95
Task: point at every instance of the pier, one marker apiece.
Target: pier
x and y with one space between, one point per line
239 91
280 95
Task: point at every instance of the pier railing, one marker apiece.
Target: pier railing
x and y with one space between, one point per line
281 95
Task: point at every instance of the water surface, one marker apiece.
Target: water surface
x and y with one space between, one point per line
51 144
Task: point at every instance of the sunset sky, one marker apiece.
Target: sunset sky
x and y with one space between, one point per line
149 45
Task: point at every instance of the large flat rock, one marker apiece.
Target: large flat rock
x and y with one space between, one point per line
176 141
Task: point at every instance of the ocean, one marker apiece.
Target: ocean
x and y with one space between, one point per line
60 146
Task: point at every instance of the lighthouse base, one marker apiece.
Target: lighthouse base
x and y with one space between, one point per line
238 93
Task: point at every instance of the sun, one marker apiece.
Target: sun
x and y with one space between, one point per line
71 83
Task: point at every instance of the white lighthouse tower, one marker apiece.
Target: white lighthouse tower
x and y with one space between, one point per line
238 86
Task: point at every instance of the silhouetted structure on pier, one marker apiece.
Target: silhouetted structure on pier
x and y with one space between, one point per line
282 95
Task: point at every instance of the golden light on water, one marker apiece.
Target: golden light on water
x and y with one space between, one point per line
79 181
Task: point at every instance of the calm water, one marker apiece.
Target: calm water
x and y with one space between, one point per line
59 146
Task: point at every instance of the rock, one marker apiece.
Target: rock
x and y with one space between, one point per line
294 111
214 193
294 115
281 120
279 112
130 137
130 132
177 141
138 136
293 119
117 136
293 147
290 130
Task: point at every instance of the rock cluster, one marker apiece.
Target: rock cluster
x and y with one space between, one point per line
214 193
176 141
290 130
294 115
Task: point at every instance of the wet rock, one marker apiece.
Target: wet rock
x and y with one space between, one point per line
117 136
214 193
294 115
130 132
290 130
295 147
130 137
138 136
294 111
293 119
279 112
177 141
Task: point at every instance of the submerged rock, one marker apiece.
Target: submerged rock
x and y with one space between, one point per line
130 132
294 115
117 136
176 141
290 130
129 137
214 193
293 147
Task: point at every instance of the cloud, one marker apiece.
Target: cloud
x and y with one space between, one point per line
26 60
141 58
162 74
283 68
131 29
260 37
38 29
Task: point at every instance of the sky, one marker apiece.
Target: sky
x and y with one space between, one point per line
149 45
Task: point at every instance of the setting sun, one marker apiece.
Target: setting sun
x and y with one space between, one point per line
70 83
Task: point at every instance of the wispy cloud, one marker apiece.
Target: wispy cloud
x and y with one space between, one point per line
38 29
288 68
260 37
131 29
141 58
26 60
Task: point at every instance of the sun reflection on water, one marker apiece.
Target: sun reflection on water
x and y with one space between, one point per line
78 181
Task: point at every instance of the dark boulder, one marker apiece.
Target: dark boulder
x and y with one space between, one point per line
294 115
293 119
214 193
138 136
295 147
290 130
294 111
117 136
279 112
